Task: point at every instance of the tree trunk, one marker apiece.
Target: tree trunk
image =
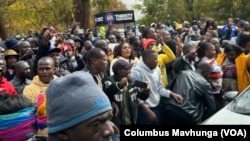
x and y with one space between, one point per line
86 14
3 34
82 12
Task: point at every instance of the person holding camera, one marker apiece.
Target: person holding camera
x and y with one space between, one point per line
124 92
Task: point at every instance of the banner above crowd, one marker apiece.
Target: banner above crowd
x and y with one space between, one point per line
115 17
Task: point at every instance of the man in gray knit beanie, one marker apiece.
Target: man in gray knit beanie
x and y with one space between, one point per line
77 109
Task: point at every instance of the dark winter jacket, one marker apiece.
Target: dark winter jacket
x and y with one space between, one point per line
115 94
196 91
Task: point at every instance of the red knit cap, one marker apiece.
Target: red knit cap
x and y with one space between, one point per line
66 47
147 42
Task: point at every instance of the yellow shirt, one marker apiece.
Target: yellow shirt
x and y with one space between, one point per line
33 90
242 62
164 59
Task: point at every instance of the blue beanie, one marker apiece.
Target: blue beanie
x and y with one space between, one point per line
11 43
73 99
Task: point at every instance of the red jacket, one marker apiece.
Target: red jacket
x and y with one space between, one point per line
7 86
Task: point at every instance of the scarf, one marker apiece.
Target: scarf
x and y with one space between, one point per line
41 112
18 126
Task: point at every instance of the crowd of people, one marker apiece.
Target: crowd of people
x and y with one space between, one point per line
83 85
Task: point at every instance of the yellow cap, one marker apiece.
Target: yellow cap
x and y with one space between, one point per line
9 52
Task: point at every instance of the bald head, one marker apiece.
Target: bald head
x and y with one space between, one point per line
22 69
87 45
32 40
164 32
46 60
102 44
213 40
188 47
19 64
204 68
23 43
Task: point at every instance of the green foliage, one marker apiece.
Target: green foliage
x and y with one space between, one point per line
4 4
33 14
180 10
21 15
101 5
137 6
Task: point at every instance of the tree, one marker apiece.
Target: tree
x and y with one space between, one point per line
17 16
3 5
180 10
33 14
101 5
82 12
